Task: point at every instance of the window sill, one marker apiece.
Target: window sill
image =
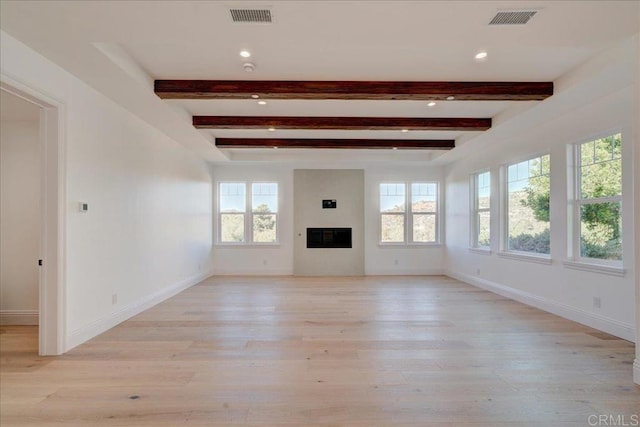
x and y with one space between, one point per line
595 268
522 256
481 251
246 245
408 245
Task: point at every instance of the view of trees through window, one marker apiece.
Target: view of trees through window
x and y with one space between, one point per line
264 211
232 204
600 198
528 188
482 210
264 204
422 220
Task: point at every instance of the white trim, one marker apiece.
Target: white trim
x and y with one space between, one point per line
636 371
521 256
223 272
481 251
52 287
19 317
401 271
595 268
398 245
103 324
614 327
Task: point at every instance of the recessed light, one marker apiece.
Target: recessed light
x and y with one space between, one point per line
254 96
271 129
405 130
482 55
248 66
394 148
262 102
245 53
431 104
275 148
451 98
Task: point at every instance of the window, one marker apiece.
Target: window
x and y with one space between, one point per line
232 211
424 208
264 212
599 199
415 223
528 189
392 213
233 202
481 211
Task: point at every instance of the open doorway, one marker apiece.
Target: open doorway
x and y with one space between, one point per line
32 254
20 211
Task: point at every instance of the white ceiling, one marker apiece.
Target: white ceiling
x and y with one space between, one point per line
312 40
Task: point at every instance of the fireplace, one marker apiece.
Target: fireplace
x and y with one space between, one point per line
329 238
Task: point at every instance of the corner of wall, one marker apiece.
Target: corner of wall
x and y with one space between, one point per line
103 324
611 326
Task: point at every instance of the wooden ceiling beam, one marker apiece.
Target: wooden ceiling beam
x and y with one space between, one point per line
372 90
407 144
341 123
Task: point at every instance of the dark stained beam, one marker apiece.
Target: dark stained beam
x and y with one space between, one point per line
376 90
410 144
342 123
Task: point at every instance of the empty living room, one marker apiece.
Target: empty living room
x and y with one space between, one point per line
320 213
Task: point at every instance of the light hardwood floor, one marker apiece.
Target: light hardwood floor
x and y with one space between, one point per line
423 351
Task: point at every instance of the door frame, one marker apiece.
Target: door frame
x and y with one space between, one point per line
52 295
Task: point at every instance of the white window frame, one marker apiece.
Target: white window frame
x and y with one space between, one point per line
578 202
476 211
253 213
408 215
220 213
402 214
248 214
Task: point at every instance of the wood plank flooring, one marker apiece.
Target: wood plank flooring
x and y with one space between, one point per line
367 351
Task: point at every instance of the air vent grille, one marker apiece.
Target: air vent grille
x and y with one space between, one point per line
256 16
516 17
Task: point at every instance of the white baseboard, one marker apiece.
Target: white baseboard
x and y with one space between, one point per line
223 272
19 317
404 272
636 371
611 326
99 326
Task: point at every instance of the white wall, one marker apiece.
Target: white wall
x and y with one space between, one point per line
636 136
379 260
20 221
399 259
596 98
311 186
148 232
257 259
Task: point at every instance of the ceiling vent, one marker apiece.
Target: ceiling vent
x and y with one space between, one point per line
251 16
513 17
